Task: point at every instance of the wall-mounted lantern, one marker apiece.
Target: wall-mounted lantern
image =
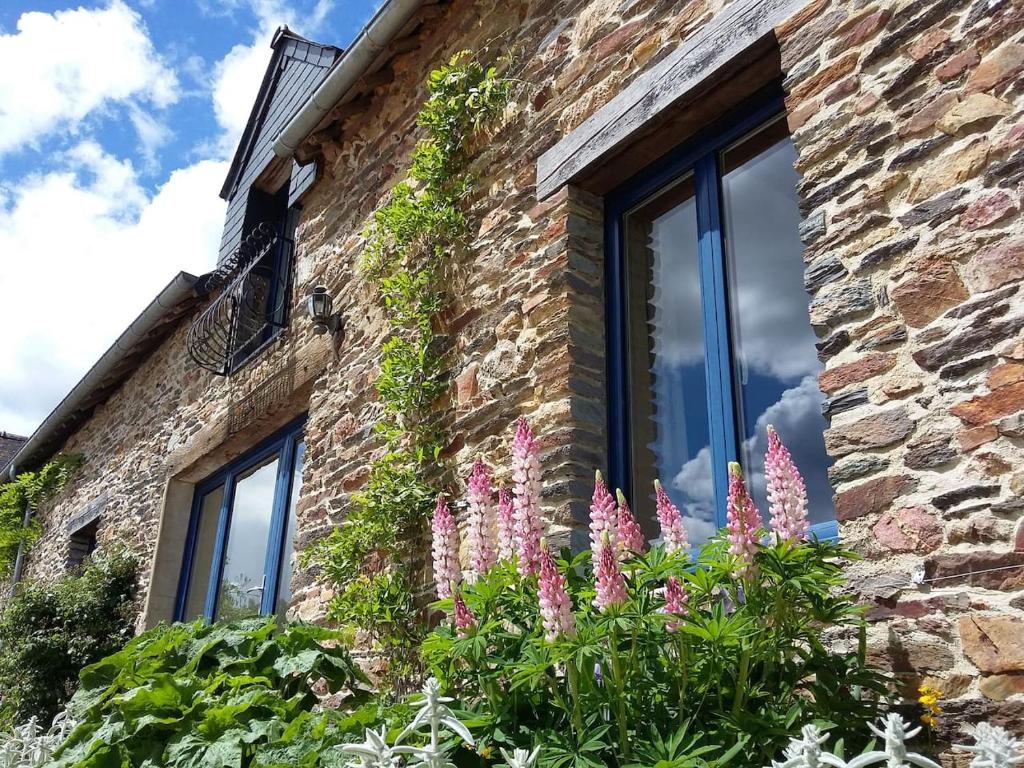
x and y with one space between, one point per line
319 303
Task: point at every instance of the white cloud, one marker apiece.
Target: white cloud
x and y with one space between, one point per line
237 76
86 248
61 67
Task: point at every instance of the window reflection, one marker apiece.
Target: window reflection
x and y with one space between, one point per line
670 436
284 590
202 554
774 358
242 582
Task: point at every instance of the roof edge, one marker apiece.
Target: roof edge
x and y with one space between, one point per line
180 288
387 22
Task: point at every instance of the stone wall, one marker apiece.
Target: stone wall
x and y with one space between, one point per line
906 117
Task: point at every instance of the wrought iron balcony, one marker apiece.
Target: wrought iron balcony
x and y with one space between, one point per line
252 306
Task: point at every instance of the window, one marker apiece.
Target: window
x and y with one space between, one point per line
255 288
82 543
708 328
238 555
262 298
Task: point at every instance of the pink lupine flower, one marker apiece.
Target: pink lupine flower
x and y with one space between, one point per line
631 536
676 599
604 517
673 532
506 526
445 549
555 606
465 621
743 520
610 583
526 497
480 533
787 494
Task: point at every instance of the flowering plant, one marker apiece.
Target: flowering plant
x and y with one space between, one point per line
635 655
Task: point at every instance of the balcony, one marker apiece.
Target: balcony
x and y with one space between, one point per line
251 308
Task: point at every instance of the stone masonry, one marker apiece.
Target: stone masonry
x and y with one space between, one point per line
909 124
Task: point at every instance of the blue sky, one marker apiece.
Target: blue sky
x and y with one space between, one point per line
117 119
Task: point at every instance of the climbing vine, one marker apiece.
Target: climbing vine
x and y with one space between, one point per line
411 242
28 491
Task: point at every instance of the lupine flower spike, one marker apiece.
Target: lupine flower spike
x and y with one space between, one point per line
631 536
673 532
526 497
465 621
676 599
445 549
742 520
481 520
787 493
604 520
611 586
555 606
506 526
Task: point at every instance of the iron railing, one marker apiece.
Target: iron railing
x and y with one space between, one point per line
251 307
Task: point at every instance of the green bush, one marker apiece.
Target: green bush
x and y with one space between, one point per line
729 677
48 632
237 694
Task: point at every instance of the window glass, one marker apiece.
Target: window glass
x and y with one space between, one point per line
202 553
775 363
242 582
284 591
668 407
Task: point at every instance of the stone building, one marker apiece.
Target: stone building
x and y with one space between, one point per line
699 217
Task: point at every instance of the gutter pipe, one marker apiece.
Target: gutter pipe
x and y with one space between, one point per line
176 291
386 23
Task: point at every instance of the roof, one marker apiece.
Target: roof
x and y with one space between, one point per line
154 324
286 45
9 445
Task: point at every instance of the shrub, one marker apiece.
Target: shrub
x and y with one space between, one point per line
28 491
627 657
238 694
48 632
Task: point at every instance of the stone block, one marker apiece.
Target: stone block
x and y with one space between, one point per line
861 369
973 113
995 644
932 287
911 529
996 266
872 496
998 67
875 431
996 404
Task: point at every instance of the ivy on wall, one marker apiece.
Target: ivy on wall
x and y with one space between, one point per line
411 242
28 491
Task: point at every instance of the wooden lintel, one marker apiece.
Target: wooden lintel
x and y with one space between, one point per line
702 58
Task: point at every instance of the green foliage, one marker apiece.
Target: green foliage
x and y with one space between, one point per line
410 243
28 491
48 632
744 669
237 694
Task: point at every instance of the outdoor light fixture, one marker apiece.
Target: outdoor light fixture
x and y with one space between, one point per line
319 305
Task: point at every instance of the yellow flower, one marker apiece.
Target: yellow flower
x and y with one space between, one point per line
929 699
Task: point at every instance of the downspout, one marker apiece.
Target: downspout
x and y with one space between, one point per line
385 24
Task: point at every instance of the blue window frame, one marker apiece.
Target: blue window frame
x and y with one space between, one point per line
237 558
682 254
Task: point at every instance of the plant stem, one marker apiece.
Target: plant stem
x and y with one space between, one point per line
620 698
741 682
574 685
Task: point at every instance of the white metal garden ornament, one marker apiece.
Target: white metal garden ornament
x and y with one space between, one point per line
994 748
